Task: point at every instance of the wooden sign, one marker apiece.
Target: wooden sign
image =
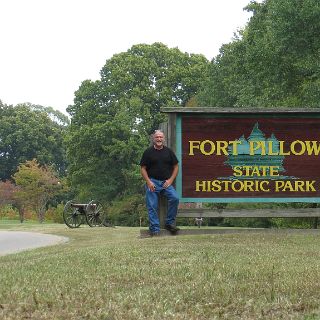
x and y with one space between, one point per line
248 157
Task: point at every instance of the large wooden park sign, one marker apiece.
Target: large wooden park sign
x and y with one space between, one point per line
245 155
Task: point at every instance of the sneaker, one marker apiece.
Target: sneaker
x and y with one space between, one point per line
154 234
172 228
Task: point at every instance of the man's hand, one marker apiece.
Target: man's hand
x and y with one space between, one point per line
167 183
151 186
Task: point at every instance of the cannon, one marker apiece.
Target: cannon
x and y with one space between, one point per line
75 214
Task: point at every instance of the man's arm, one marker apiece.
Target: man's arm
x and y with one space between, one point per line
145 176
175 171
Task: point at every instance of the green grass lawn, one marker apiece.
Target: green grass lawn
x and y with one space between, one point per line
109 273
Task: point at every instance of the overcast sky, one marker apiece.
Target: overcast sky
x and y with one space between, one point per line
48 47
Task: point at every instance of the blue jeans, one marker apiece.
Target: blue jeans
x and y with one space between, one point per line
152 201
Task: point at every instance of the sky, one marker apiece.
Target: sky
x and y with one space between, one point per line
48 47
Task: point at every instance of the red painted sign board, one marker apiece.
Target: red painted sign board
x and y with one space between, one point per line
266 156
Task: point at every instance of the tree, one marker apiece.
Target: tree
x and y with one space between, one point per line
113 117
272 62
7 189
137 83
8 195
28 132
55 115
38 184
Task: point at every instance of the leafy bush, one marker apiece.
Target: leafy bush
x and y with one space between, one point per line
55 214
295 223
129 210
8 212
247 222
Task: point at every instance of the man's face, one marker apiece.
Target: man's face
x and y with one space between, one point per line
158 140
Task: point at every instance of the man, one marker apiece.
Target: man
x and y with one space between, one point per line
159 168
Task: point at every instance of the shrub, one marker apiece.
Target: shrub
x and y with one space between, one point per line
248 222
295 223
128 211
8 212
55 214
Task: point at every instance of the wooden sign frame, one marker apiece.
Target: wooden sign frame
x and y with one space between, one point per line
260 155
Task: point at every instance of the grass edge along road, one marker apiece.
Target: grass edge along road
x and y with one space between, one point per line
109 273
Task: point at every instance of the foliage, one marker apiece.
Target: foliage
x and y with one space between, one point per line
298 223
7 192
55 115
27 132
38 184
294 223
128 211
247 222
8 212
9 195
55 214
113 117
273 62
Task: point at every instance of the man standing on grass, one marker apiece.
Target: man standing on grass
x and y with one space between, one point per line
159 168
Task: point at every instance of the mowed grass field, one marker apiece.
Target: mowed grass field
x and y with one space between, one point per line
110 273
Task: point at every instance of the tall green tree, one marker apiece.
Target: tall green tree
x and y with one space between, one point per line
274 61
112 117
27 132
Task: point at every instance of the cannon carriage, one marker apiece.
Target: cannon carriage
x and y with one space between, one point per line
92 213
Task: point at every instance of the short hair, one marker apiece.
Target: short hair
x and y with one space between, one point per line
158 131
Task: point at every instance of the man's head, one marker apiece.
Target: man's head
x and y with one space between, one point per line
158 139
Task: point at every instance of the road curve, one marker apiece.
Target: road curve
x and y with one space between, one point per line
16 241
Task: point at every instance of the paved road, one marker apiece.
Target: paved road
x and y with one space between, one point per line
16 241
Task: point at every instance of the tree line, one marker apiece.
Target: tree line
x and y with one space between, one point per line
272 62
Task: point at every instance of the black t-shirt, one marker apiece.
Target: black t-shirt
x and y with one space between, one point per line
159 163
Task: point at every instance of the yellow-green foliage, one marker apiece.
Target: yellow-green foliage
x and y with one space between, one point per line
37 185
8 212
55 214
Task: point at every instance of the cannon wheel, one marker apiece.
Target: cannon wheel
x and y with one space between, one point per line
71 216
95 214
